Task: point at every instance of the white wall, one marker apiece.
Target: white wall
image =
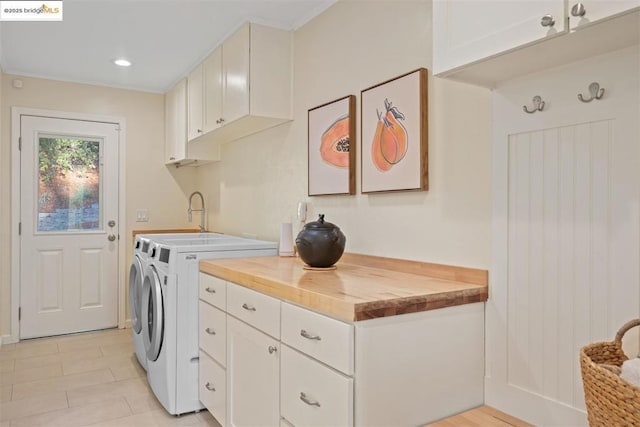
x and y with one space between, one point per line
351 46
149 183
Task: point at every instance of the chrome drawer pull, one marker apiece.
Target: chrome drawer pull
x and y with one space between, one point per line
209 387
308 401
272 349
310 337
210 331
248 307
210 290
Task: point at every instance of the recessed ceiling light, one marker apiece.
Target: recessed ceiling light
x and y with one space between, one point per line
122 62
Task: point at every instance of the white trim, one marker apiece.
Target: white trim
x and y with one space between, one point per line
16 113
7 339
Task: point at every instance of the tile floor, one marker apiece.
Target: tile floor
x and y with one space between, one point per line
80 380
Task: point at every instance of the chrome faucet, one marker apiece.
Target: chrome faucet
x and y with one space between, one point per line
191 210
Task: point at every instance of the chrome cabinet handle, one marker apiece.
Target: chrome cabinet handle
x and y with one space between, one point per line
308 401
218 121
209 387
547 21
578 10
310 337
199 130
248 307
210 290
272 349
221 120
210 331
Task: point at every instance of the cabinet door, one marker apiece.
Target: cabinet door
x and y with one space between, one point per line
194 103
212 90
235 71
176 123
595 10
253 381
212 389
465 31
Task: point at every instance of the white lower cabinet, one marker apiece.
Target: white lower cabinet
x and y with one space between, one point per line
253 369
213 387
313 394
289 366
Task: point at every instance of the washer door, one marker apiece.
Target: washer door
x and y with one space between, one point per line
136 276
152 313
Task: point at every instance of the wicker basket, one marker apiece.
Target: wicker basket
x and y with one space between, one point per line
610 400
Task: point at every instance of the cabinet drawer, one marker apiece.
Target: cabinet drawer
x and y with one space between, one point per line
256 309
321 337
213 291
212 388
213 332
312 394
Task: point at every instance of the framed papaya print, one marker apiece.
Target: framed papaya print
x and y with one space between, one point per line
394 134
331 147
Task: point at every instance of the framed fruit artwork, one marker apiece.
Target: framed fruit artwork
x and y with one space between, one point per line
331 150
394 134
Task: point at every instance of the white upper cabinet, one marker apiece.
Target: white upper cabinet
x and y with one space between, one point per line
590 11
177 151
195 89
212 73
467 31
486 42
243 87
175 111
236 74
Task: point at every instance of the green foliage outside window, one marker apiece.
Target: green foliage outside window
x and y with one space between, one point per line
58 155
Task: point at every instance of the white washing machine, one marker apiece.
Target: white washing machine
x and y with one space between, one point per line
136 276
170 313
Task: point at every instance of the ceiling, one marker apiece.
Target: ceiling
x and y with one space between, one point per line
164 39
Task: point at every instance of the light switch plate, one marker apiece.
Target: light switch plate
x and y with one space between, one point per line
142 215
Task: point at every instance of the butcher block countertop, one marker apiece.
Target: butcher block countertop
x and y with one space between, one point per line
362 287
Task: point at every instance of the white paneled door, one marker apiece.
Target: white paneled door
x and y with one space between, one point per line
69 226
566 233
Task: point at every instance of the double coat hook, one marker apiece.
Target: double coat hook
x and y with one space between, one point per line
538 105
594 90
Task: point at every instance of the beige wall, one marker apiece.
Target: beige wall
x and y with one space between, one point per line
149 184
351 46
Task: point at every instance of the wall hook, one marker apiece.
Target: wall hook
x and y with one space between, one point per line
595 91
538 105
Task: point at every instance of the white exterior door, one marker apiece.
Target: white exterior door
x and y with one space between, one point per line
69 220
566 233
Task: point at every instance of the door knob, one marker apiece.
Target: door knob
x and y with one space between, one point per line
111 223
547 21
112 237
578 10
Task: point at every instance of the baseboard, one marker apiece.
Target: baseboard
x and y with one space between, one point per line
8 339
127 324
535 409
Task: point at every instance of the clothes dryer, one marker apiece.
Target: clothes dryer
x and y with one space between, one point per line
136 276
170 313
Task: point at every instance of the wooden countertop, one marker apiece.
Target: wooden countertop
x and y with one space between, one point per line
362 287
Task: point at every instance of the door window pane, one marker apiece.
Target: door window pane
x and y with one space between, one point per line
69 184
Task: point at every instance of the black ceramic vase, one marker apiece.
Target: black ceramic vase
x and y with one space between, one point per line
320 244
